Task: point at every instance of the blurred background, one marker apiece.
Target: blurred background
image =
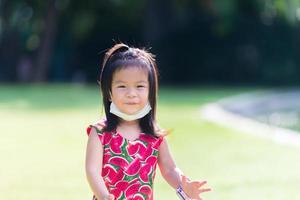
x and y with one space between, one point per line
216 59
234 41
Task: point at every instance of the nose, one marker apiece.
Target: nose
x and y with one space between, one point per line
131 93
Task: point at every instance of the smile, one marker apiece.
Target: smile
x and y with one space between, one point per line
131 103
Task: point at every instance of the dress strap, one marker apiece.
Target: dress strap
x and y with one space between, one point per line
98 127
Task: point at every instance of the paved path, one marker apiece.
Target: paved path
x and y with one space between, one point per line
237 112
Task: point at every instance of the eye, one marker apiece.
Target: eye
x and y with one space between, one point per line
141 86
121 86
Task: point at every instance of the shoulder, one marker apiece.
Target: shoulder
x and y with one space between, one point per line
160 132
97 127
95 131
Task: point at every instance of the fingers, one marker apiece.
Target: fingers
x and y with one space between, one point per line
201 183
193 188
204 190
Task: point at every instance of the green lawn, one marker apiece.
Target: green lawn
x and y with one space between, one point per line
43 140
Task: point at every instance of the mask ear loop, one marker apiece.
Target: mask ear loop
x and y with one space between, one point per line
110 97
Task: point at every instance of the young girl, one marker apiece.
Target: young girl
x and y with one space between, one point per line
124 149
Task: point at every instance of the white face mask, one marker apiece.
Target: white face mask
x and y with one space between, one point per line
140 114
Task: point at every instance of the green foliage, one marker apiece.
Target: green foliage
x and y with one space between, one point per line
256 41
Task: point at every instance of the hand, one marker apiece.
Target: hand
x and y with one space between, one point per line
193 188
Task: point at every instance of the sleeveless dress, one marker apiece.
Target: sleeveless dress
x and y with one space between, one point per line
128 167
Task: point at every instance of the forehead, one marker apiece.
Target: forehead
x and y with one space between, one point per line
130 74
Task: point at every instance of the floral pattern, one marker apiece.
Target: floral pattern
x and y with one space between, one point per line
128 165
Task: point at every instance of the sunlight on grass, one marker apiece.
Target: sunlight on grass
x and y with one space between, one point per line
43 144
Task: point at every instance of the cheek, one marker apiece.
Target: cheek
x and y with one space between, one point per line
145 95
115 95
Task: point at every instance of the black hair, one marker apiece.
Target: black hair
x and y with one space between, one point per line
121 56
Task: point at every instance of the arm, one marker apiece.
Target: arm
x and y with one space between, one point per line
93 166
174 176
167 165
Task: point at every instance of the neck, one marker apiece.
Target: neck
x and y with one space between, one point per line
133 123
129 126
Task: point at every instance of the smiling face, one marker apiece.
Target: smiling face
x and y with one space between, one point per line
130 89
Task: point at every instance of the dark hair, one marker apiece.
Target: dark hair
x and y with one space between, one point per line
121 56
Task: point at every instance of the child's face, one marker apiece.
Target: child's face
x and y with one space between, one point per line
130 89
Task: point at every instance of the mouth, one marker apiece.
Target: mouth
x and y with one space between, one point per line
131 103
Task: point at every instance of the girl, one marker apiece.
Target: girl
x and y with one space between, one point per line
124 149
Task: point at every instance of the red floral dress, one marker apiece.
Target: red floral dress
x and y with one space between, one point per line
128 165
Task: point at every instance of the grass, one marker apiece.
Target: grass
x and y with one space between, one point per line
43 140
